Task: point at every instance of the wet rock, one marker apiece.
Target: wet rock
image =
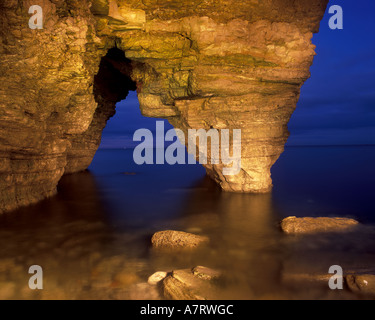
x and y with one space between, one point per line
157 277
206 273
294 225
362 284
185 285
177 240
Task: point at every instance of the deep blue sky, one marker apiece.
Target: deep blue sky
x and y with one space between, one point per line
337 104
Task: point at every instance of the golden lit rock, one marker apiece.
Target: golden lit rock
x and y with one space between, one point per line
177 240
201 65
293 225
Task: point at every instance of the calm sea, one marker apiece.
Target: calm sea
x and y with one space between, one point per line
100 224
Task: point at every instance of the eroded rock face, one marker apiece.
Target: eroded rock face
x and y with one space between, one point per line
213 64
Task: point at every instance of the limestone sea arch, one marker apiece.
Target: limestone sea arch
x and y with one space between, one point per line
200 64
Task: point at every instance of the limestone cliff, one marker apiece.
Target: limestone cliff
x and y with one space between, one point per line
198 63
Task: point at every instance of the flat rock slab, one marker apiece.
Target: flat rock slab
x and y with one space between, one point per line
294 225
177 240
186 284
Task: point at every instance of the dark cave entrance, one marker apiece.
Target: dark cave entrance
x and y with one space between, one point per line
118 109
115 93
112 84
113 81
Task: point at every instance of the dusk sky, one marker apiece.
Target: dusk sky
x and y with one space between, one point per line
337 104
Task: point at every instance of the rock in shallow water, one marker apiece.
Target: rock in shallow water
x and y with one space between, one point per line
362 284
189 285
157 277
294 225
205 273
173 240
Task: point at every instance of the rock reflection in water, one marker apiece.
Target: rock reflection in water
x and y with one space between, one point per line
244 235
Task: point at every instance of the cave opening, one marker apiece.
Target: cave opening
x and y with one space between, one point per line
118 105
119 109
113 81
116 95
112 84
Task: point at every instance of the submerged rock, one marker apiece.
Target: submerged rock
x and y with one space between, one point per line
206 273
189 284
139 291
294 225
125 278
362 284
144 291
177 240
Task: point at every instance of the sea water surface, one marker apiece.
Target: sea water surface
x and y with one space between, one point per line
93 238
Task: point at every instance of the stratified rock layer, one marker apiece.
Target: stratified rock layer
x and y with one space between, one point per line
212 64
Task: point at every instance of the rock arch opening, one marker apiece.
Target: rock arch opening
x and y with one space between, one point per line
112 84
117 118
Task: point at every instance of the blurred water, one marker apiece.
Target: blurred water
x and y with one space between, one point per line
93 238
